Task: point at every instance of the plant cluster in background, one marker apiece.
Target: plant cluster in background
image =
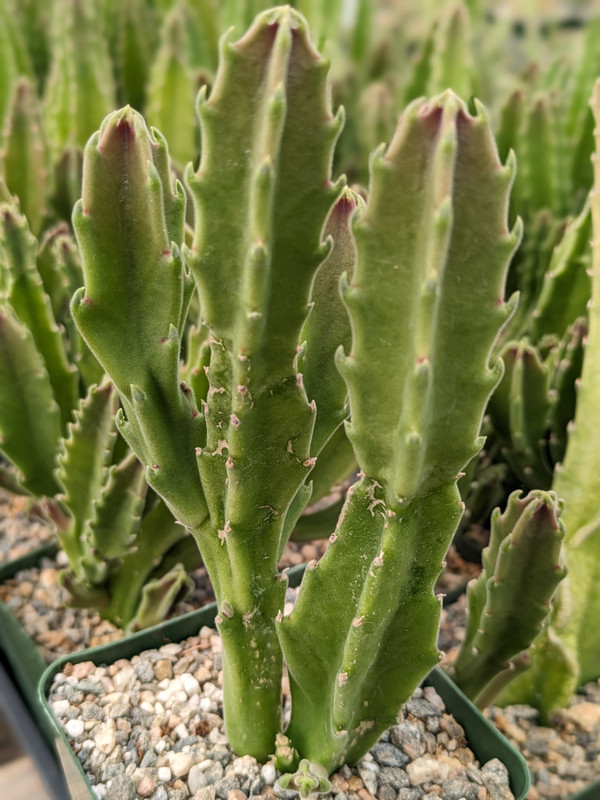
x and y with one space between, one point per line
66 66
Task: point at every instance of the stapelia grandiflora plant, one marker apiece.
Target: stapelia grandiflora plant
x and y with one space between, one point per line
401 357
125 552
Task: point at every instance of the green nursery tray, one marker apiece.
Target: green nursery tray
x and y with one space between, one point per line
19 651
485 741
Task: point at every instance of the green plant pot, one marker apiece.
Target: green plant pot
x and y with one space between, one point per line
19 652
485 741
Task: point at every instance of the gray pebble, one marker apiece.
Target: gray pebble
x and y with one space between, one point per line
91 711
474 774
455 789
161 793
121 788
386 793
432 724
187 741
144 671
537 742
495 778
256 785
90 686
72 694
148 759
389 756
409 738
394 777
180 794
220 754
111 770
410 794
422 708
227 784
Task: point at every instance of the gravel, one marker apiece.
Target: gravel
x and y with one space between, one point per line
41 604
562 759
21 530
162 737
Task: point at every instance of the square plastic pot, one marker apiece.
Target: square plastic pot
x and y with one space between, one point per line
485 741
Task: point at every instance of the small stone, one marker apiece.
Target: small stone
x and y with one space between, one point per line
146 787
338 784
75 728
365 794
149 760
121 788
496 780
386 793
144 671
369 775
268 774
164 774
163 669
409 738
355 783
60 707
171 649
427 770
389 756
394 777
585 715
409 794
191 685
451 726
236 794
421 709
105 739
124 679
205 793
180 763
455 789
83 670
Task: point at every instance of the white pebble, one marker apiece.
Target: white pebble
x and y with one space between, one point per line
75 728
105 740
164 774
245 765
60 707
206 704
146 706
427 770
124 679
181 731
190 684
171 649
173 693
268 774
180 763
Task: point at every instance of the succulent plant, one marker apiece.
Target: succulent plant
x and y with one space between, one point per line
511 599
234 465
